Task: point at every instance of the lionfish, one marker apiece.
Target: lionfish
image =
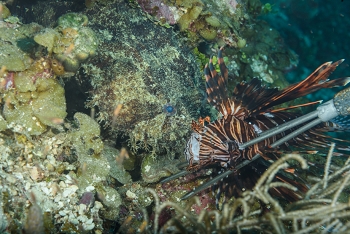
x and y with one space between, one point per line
245 114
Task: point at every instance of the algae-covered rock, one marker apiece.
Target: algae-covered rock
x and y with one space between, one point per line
76 42
217 21
3 123
5 12
13 58
72 20
241 43
266 54
47 38
112 200
153 168
213 21
117 170
94 168
191 15
93 172
35 100
70 43
50 102
16 43
86 138
208 33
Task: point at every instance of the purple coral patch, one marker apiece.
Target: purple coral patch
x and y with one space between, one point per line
88 198
158 9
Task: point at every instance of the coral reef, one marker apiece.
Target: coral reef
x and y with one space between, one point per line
57 180
201 19
31 96
48 167
61 176
38 87
255 48
16 44
71 42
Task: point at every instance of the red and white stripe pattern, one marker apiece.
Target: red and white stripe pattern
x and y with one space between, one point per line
247 113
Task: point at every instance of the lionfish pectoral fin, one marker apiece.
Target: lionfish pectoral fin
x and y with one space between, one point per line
207 184
314 82
251 96
216 84
295 106
175 176
246 96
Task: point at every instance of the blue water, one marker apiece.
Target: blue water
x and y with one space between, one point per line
318 31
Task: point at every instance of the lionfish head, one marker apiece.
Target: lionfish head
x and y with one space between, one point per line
192 148
201 150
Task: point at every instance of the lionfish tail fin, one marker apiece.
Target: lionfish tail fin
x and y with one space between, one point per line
314 82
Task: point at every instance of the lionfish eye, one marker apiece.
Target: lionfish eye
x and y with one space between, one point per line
169 109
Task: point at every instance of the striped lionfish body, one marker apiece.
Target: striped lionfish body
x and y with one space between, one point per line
245 114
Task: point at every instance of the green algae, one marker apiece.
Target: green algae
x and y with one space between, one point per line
16 41
47 38
208 33
213 21
117 170
191 15
152 168
86 138
46 103
241 43
72 20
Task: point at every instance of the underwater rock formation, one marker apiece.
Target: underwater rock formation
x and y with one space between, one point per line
255 48
46 165
32 98
71 42
204 19
142 67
